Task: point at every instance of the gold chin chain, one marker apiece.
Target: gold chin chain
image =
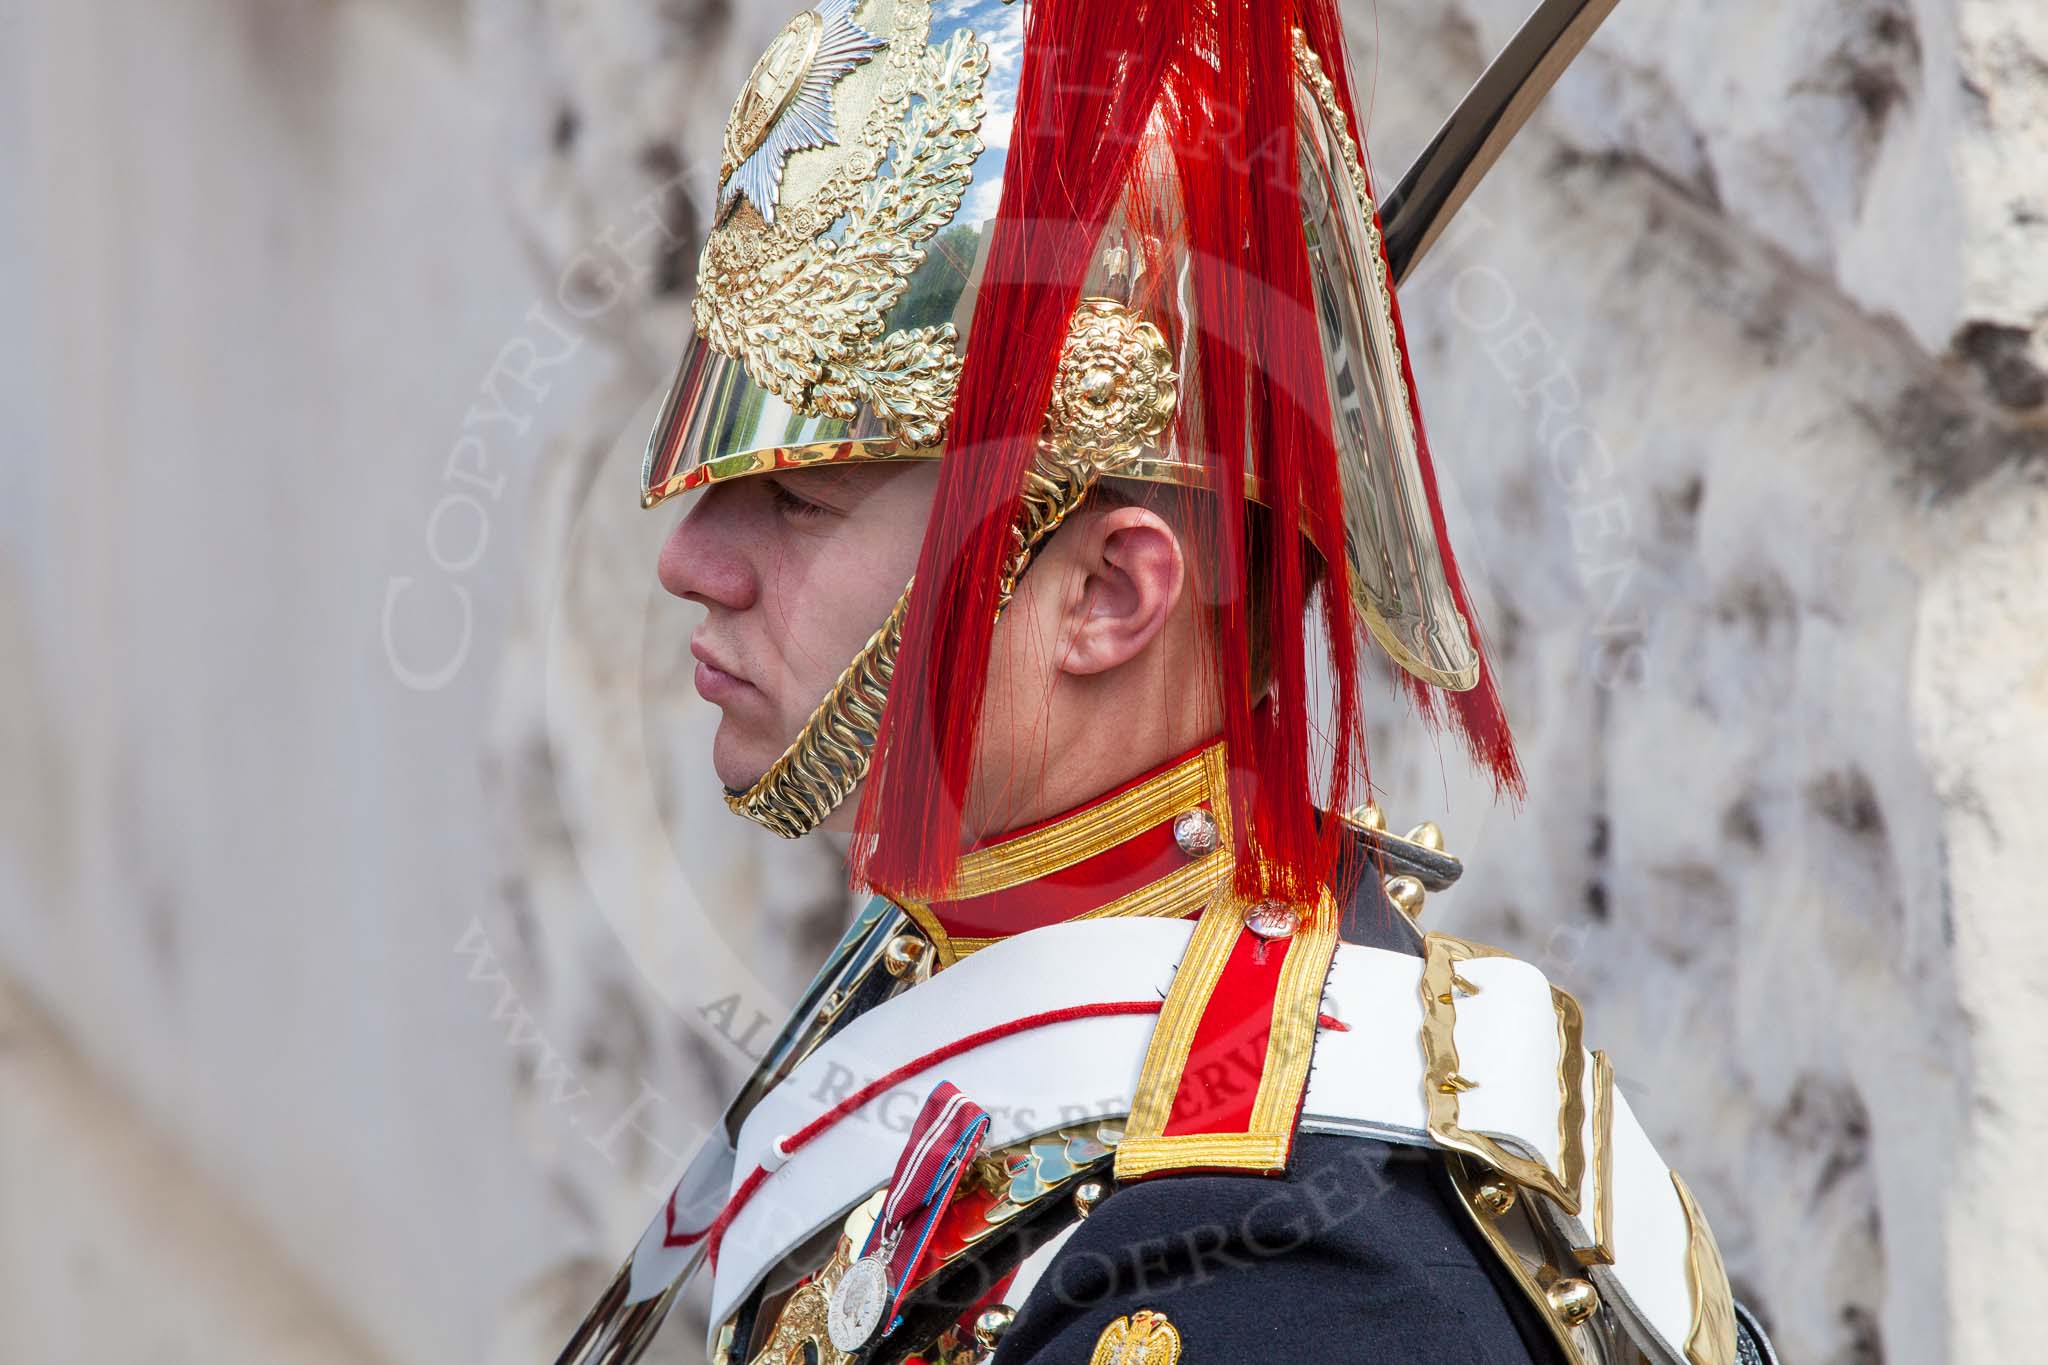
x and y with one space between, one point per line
1114 394
830 755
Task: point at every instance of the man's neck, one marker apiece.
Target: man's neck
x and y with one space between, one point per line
1094 741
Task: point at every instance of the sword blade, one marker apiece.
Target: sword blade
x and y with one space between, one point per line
1414 213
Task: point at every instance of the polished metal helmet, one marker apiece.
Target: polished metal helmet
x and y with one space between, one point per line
863 171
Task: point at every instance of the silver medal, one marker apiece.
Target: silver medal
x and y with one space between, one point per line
858 1304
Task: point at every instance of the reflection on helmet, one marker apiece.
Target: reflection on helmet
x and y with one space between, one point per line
843 346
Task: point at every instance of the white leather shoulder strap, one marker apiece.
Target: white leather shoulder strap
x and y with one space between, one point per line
1030 1082
1499 1061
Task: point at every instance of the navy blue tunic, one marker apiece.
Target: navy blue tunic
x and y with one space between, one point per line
1358 1254
1361 1252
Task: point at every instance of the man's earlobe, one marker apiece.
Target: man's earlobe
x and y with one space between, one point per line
1134 578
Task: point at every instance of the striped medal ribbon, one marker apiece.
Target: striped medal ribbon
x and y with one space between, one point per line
943 1140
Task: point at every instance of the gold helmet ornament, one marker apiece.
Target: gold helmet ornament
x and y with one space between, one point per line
1159 216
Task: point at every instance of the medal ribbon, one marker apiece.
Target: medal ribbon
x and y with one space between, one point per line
943 1140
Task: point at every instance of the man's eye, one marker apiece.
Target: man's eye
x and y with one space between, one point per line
792 505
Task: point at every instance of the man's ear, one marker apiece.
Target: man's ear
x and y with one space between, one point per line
1132 577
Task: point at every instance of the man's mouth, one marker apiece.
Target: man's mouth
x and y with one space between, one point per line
716 680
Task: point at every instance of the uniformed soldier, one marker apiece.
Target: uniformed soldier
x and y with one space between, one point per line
1078 318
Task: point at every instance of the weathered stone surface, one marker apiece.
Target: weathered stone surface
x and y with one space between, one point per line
1897 149
104 1211
253 584
1732 499
1735 374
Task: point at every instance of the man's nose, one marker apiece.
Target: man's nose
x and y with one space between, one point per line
703 561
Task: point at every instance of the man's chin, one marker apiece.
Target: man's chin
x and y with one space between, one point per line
740 760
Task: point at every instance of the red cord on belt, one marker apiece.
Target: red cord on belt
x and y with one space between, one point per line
789 1146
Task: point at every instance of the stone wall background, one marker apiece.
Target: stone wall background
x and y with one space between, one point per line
368 952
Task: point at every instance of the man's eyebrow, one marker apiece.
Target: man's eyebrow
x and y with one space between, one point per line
848 485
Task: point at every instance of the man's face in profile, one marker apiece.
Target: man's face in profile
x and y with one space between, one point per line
795 570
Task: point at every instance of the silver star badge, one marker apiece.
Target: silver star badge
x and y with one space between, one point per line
787 104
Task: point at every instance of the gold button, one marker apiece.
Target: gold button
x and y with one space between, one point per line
906 955
1428 835
1573 1300
1494 1198
991 1323
1368 817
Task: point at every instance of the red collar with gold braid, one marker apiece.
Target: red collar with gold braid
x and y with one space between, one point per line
1224 1076
1127 852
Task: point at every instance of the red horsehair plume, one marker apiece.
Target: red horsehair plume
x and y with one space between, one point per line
1082 112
